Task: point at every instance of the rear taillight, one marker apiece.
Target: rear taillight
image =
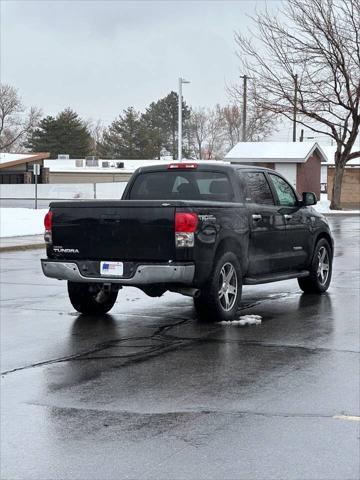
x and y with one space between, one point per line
48 227
185 226
186 222
48 220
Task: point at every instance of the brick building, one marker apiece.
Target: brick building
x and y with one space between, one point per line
299 162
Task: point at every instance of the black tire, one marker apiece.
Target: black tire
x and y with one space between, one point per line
320 270
218 301
86 298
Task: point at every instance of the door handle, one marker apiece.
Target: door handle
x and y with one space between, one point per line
256 216
288 217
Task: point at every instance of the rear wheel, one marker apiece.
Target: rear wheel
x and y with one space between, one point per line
320 270
220 299
91 298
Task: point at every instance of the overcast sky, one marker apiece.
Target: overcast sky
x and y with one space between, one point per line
100 57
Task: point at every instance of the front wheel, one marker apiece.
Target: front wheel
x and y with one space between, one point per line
219 300
320 270
91 298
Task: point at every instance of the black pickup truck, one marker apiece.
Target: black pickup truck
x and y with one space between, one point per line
200 229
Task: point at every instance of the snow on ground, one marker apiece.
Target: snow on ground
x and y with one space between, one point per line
323 206
244 320
21 221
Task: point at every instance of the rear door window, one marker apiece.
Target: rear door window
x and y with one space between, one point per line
181 185
255 188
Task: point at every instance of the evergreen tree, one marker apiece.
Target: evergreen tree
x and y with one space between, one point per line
64 134
155 130
124 138
160 122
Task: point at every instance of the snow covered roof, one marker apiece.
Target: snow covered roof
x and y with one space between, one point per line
287 152
330 154
12 159
72 165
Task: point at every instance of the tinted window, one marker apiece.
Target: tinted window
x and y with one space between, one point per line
284 192
182 185
255 188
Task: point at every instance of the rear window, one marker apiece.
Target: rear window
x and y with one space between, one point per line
255 188
182 185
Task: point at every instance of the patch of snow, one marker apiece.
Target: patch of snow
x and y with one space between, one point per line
129 165
15 222
244 320
323 206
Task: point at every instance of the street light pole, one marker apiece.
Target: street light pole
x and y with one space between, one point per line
181 81
180 121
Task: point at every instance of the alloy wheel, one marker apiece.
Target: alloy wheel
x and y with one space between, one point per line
228 286
323 265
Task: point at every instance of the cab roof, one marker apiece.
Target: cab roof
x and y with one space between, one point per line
198 165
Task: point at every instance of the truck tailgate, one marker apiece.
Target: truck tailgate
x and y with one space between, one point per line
122 230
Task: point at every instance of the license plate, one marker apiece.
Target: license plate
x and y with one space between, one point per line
112 269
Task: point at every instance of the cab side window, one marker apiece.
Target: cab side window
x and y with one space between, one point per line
255 188
284 192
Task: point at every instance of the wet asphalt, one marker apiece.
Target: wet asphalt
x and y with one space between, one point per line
148 392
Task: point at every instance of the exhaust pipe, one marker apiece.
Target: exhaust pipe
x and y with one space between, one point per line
187 291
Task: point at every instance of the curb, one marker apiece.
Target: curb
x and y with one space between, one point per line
17 248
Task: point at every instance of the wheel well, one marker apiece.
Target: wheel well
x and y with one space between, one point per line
227 244
230 244
327 237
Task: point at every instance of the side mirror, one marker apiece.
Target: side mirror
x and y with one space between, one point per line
308 198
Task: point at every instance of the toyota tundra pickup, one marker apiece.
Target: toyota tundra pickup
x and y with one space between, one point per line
199 229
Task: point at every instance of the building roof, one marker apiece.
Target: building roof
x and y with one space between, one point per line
130 166
330 154
12 159
285 152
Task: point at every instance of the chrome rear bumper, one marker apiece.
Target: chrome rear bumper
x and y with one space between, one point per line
144 274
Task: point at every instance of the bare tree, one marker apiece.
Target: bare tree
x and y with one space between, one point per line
215 141
206 132
232 124
216 130
96 129
15 121
315 45
259 124
198 131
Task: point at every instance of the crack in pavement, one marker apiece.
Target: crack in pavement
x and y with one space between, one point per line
157 335
167 343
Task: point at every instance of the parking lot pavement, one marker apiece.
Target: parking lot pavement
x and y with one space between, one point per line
149 393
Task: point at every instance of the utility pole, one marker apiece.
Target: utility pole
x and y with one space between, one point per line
302 135
245 78
181 81
295 106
